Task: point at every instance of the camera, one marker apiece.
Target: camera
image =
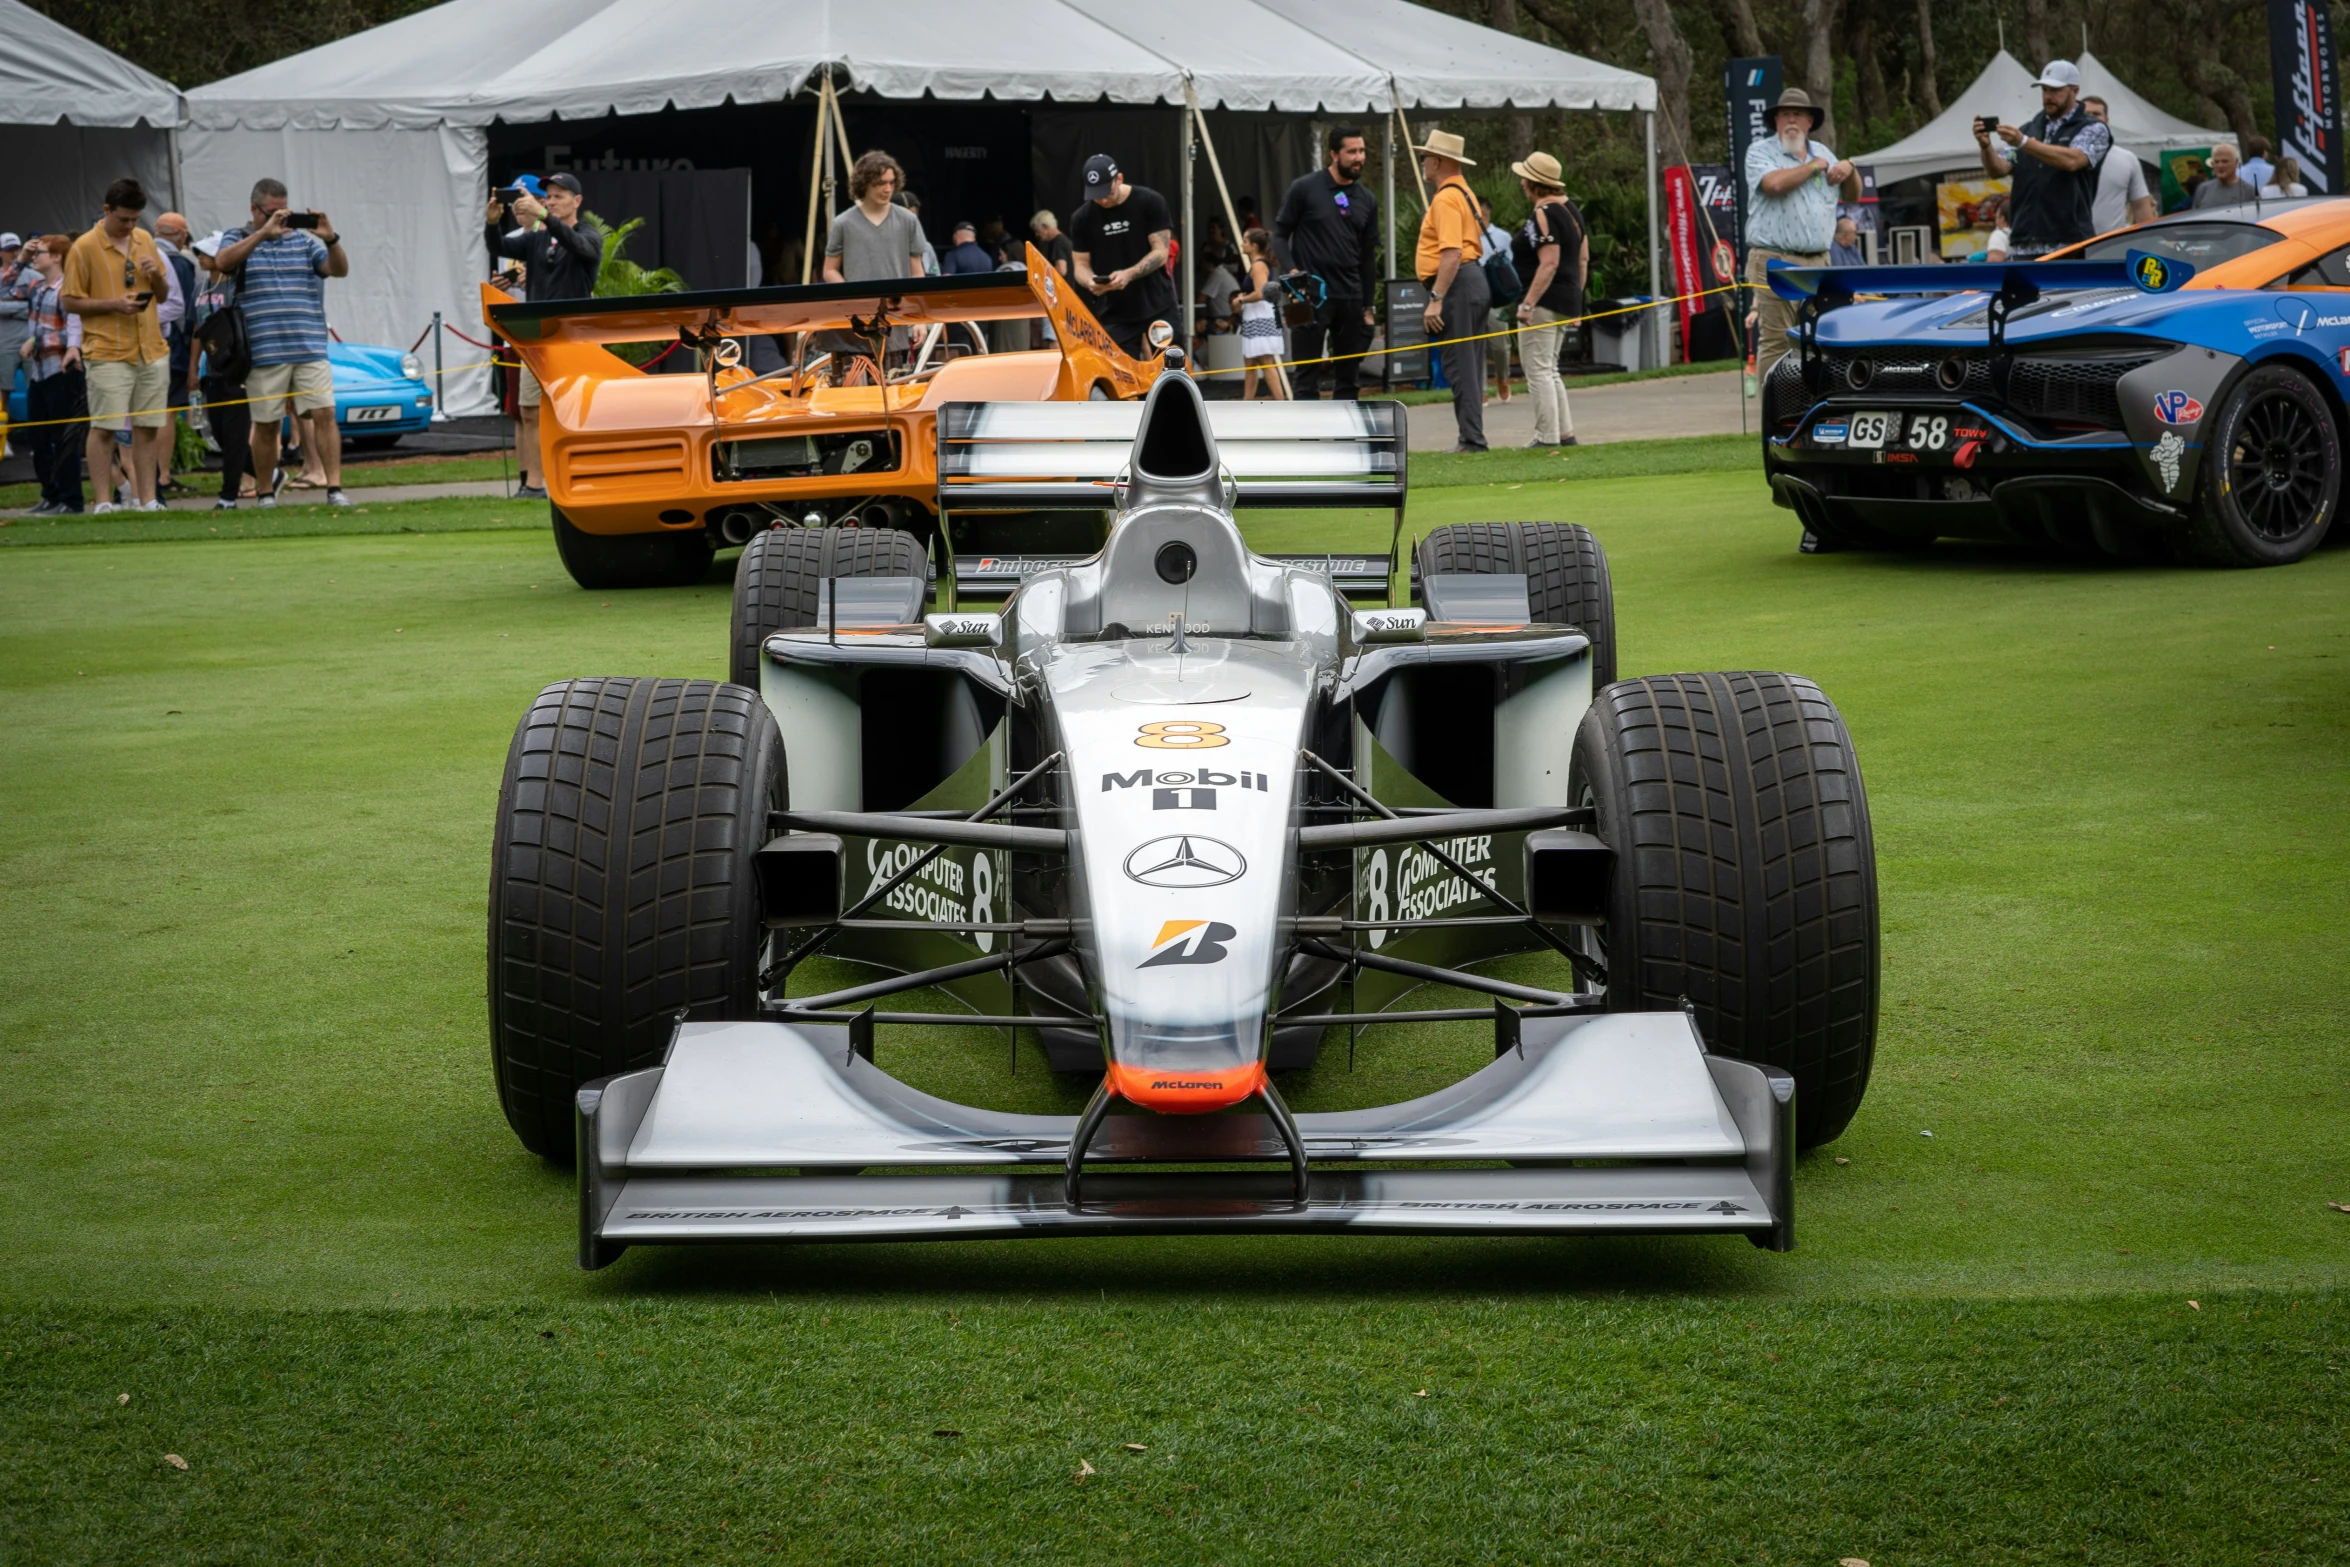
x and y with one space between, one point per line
301 220
506 195
1986 125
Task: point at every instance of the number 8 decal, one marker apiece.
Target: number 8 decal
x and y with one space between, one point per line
1181 734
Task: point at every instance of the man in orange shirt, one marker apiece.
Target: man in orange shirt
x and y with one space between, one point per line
113 278
1450 263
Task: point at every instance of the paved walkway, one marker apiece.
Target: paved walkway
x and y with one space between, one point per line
1627 411
361 495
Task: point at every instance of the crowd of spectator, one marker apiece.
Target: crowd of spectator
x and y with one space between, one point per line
119 329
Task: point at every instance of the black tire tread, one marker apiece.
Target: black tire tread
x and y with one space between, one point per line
1747 873
775 582
1567 581
621 886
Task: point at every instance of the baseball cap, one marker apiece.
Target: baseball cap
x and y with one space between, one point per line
210 244
569 182
2059 73
1101 172
9 241
529 184
966 227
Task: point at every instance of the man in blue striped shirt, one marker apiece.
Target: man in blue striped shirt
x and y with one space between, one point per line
281 265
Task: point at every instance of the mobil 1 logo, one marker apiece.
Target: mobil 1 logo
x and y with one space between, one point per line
1192 789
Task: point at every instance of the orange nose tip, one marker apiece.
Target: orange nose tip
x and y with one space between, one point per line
1176 1092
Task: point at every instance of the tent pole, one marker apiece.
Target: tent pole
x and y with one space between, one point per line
1190 273
840 127
1387 166
816 184
1216 167
1419 179
1656 290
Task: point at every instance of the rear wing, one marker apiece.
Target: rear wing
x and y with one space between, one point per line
726 312
1070 456
2021 281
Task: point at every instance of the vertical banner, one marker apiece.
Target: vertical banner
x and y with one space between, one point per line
1750 87
1682 242
1717 220
2309 105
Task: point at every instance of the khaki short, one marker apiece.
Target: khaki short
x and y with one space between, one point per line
527 394
309 386
123 394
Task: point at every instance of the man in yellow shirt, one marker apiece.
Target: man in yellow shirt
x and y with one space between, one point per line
1452 249
113 278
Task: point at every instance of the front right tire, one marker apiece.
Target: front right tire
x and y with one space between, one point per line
621 883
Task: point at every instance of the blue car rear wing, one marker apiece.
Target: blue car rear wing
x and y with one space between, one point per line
2020 281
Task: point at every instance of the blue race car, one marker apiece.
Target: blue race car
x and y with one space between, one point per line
2173 389
380 394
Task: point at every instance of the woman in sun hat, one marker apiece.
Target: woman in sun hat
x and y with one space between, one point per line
1553 254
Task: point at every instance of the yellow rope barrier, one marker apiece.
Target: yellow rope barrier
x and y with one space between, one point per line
1373 353
1287 364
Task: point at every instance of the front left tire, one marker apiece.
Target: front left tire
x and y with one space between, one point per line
621 883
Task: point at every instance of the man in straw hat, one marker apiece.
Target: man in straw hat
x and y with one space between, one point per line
1792 185
1452 246
1553 253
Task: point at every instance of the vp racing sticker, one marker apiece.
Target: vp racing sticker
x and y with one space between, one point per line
2178 408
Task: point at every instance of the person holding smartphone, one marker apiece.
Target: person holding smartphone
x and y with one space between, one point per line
113 277
561 257
281 263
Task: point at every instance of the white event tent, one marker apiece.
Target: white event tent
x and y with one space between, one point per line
387 129
78 118
1947 142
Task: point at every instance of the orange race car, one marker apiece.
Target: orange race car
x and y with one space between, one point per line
649 473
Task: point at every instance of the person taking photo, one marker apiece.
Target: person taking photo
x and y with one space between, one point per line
561 257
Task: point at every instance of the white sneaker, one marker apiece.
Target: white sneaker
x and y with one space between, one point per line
269 503
154 506
337 498
103 507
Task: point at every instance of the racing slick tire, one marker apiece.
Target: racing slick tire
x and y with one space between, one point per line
775 582
2272 473
1566 575
1745 875
601 562
621 883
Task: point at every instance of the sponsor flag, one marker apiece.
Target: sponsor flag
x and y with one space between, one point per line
1751 86
1681 238
2309 105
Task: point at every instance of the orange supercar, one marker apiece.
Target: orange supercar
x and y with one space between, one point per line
649 472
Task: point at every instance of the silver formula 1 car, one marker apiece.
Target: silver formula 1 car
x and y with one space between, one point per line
1187 812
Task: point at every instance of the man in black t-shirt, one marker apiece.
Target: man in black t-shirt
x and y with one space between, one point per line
1120 239
1330 220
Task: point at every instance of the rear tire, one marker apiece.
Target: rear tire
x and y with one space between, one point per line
601 562
2272 473
621 883
1566 575
1746 876
775 582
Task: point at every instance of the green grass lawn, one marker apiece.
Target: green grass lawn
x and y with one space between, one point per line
258 1179
357 475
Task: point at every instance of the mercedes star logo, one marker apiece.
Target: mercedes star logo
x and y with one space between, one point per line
1185 861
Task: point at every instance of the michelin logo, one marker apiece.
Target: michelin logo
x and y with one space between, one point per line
2167 453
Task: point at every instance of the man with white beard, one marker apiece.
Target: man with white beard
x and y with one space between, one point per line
1792 186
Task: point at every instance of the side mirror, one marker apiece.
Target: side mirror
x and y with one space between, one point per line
1160 335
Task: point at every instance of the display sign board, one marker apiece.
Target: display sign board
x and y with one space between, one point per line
2309 104
1750 86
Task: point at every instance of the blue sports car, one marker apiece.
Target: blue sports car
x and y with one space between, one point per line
2173 389
380 394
